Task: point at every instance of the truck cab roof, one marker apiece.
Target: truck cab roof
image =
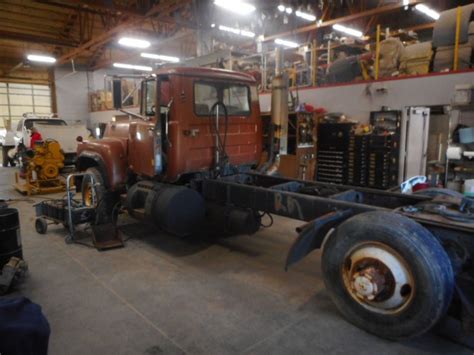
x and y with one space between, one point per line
207 73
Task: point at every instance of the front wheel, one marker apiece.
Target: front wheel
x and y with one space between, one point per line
99 197
41 225
388 275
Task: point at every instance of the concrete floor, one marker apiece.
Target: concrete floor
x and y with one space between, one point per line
166 295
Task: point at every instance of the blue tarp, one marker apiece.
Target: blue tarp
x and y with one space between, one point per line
24 330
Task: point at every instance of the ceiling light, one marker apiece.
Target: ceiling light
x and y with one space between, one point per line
289 10
165 58
286 43
305 16
213 25
133 67
41 58
247 33
347 30
237 6
427 11
281 8
134 42
237 31
229 29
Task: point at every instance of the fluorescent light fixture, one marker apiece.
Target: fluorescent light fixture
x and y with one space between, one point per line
162 57
247 33
286 43
348 30
41 58
305 16
229 29
133 42
281 8
289 10
427 11
237 31
133 67
237 6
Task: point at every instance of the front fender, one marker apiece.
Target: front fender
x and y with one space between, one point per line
109 155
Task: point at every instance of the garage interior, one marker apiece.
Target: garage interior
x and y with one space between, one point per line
246 176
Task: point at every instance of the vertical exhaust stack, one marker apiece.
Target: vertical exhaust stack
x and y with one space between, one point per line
279 129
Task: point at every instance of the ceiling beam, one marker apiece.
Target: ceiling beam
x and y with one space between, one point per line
23 37
161 9
372 12
29 24
24 80
393 33
95 7
20 15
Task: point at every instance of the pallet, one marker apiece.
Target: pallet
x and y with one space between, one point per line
38 187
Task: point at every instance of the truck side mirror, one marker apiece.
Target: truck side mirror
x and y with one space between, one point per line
117 93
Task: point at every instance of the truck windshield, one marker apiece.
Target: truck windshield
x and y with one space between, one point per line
236 97
51 122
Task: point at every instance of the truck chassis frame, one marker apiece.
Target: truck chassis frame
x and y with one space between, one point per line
324 206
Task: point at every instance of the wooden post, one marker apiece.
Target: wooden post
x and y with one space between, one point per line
456 44
377 53
314 64
52 88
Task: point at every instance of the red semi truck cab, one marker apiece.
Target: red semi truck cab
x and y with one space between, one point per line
176 135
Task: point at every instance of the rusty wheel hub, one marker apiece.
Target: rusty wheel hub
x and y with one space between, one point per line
377 277
368 283
88 200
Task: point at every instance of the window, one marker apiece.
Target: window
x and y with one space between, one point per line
236 98
150 98
50 122
17 99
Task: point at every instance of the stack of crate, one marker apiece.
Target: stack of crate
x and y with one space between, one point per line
416 59
358 159
333 144
383 161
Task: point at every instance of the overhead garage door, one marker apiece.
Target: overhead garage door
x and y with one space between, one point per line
16 99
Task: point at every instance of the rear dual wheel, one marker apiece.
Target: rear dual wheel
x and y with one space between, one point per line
388 275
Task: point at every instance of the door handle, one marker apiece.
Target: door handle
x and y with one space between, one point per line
191 132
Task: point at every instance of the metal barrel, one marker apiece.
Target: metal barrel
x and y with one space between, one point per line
10 236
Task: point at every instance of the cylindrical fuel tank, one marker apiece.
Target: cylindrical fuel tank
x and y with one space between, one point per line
10 237
230 220
177 210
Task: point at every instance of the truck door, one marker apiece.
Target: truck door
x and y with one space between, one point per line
143 136
238 133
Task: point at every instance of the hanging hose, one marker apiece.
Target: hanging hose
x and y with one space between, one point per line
221 143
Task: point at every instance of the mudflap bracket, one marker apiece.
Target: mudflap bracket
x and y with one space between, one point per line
311 235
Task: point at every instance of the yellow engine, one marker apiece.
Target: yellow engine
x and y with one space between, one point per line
47 160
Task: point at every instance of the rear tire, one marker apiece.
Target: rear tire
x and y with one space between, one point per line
104 200
388 275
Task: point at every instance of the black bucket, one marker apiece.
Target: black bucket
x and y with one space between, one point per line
10 237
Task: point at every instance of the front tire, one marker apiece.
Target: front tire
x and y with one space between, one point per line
388 275
104 200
